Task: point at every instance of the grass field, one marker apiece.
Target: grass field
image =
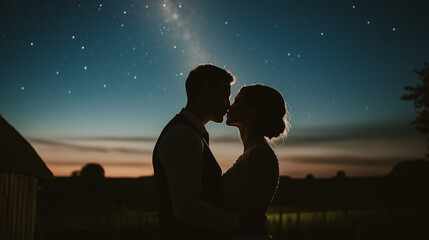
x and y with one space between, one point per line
282 223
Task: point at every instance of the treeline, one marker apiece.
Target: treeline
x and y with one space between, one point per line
407 186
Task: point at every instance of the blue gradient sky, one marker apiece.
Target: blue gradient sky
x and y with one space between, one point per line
85 69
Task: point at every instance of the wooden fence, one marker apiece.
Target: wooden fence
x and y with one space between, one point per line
17 206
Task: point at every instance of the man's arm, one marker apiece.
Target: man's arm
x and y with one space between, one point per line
180 152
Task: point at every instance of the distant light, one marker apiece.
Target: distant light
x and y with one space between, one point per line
104 86
31 44
226 22
299 55
147 6
180 5
322 33
101 5
394 29
174 46
125 12
288 54
69 91
354 6
122 25
164 5
85 68
73 37
83 47
135 77
22 88
180 74
368 22
58 72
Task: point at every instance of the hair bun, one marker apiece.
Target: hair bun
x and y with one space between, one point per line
272 127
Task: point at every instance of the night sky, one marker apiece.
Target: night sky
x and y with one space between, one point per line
96 81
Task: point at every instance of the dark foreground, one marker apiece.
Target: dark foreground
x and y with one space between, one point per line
394 207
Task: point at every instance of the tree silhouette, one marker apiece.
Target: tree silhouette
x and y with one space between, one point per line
420 95
92 171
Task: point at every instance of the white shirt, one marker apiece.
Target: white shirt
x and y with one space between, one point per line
184 177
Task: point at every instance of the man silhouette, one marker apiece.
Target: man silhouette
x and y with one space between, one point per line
187 176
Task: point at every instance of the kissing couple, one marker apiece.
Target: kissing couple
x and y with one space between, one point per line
197 201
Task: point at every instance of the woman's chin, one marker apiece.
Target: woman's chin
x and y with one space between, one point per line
228 122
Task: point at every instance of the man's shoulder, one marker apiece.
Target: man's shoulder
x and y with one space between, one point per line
179 132
179 137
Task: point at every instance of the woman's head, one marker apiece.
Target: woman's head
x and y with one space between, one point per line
260 107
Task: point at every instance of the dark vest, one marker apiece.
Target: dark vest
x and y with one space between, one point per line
169 226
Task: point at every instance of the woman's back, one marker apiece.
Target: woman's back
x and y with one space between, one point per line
250 184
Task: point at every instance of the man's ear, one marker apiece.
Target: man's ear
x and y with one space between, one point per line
206 92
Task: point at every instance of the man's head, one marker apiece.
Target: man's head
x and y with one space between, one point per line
208 88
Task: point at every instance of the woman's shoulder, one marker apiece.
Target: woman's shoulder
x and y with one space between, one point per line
263 149
261 153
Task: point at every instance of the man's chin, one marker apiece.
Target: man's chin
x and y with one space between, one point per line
218 119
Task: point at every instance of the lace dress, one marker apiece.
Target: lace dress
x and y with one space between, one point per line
249 186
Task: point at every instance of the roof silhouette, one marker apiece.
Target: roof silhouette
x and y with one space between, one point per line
17 154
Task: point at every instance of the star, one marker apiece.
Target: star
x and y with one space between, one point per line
83 47
84 67
73 37
321 33
31 44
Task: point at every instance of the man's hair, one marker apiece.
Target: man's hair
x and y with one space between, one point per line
206 75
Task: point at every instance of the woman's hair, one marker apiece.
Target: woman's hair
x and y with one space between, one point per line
272 114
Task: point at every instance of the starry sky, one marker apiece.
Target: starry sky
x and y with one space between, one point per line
96 81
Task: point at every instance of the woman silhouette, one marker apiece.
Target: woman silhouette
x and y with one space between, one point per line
260 114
